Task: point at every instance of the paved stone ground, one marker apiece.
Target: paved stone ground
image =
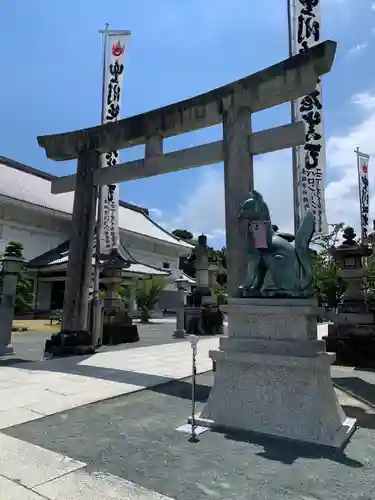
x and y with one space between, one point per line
29 346
29 391
133 437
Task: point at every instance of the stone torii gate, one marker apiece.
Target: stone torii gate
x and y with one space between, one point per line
232 105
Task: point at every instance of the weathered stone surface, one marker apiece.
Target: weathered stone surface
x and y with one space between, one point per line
31 465
280 83
95 486
272 139
272 376
238 181
79 269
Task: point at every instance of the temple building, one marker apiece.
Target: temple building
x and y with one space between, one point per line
41 221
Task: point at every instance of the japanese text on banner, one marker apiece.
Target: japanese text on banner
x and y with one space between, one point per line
309 109
109 238
363 163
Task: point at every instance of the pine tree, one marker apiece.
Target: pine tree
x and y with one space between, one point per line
24 295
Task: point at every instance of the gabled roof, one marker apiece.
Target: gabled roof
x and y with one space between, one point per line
29 185
59 257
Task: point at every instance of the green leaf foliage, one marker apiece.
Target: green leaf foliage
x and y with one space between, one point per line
24 293
147 294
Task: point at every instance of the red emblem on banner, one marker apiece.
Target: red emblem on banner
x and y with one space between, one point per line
364 169
118 49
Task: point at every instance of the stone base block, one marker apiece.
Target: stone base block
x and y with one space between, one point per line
179 334
272 375
277 319
6 350
281 396
66 350
114 334
69 343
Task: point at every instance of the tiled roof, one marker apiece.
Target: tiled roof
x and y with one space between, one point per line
27 184
60 254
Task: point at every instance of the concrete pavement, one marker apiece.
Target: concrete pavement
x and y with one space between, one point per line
29 472
34 390
29 391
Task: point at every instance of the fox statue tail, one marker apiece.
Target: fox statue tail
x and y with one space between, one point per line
302 241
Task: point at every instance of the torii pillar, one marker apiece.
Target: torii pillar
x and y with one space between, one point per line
231 105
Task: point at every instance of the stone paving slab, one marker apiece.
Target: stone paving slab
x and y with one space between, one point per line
135 438
34 390
28 472
82 485
13 491
31 465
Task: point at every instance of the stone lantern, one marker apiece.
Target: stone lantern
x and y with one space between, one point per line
181 284
11 269
352 334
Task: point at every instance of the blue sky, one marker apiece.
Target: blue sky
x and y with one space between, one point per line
51 59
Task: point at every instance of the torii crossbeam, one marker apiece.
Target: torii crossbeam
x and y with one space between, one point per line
231 105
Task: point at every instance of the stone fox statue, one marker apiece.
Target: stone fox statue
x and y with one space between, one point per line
289 265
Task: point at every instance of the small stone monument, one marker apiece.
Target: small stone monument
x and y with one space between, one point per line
272 374
203 316
118 326
352 334
11 268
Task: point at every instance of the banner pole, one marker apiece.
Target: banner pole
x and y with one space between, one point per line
359 195
96 309
293 119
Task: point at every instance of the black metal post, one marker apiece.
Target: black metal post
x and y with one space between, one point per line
193 437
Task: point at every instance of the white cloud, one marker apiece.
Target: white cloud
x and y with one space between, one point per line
358 48
364 100
203 210
156 212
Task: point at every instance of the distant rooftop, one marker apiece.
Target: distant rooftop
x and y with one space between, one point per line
30 185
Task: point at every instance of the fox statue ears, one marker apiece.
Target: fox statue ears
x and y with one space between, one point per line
255 195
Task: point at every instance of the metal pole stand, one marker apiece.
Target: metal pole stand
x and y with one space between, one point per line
193 339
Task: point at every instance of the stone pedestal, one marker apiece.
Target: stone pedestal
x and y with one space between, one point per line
273 375
180 331
352 334
11 268
202 267
118 325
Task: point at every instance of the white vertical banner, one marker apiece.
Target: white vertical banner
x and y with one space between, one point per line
363 187
114 75
311 158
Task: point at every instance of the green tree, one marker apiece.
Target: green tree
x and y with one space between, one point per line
328 285
183 234
369 283
220 292
24 295
14 249
147 294
325 241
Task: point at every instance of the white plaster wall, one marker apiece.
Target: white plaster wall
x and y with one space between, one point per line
154 259
35 241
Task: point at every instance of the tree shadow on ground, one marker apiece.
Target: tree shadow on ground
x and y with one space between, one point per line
287 452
